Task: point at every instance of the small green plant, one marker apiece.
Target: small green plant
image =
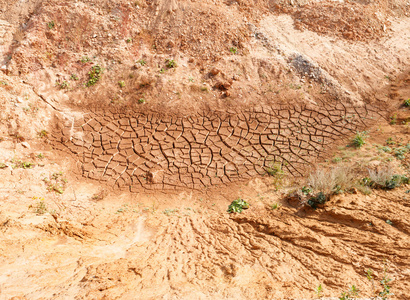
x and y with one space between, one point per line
204 89
121 83
17 163
295 86
56 182
319 199
359 139
3 166
162 71
396 181
40 156
171 63
367 181
386 149
336 159
276 172
390 141
233 50
43 133
63 85
369 276
385 284
30 109
389 222
74 77
407 102
393 119
170 212
85 59
344 296
129 40
191 79
275 169
51 25
142 62
94 75
275 206
41 207
306 190
319 291
384 179
365 190
26 165
353 292
141 100
238 206
400 153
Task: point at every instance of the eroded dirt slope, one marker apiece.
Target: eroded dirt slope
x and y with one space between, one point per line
185 247
127 128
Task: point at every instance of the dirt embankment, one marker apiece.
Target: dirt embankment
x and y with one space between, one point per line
127 128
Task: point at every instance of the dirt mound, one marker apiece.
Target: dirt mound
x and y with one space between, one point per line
348 20
357 20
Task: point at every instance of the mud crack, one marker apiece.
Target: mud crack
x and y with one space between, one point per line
156 151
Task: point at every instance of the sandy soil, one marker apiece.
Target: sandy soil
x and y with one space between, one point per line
115 185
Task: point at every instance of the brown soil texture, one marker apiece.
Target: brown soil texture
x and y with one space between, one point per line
163 152
128 127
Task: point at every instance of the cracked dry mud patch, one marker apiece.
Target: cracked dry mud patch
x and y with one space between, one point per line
157 151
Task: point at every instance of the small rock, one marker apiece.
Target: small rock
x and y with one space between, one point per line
25 145
154 176
214 71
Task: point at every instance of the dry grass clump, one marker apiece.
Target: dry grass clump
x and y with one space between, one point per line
381 176
322 183
341 178
385 178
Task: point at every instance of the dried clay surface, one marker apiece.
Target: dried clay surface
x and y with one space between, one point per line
167 152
